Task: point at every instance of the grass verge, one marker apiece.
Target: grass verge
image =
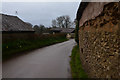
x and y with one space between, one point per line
76 66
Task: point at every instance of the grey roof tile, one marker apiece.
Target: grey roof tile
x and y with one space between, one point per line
13 23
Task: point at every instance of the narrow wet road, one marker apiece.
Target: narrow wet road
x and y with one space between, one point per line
47 62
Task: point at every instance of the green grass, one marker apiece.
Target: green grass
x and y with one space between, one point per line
76 66
19 46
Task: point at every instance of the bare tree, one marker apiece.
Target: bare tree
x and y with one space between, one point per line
67 21
39 29
62 22
54 23
36 28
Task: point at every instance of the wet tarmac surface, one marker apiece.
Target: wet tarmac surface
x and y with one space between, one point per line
47 62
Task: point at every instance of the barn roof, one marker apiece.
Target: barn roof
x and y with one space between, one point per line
13 23
56 29
63 30
67 30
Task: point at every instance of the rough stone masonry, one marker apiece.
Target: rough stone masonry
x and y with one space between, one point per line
99 39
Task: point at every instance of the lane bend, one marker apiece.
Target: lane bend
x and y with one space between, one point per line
47 62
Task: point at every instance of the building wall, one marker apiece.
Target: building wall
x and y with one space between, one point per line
95 8
99 42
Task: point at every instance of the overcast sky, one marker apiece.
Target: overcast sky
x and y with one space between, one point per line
40 12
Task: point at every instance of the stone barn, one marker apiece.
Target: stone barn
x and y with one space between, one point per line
62 30
69 31
12 24
13 28
99 38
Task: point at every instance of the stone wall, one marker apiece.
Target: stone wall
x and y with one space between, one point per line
99 53
99 42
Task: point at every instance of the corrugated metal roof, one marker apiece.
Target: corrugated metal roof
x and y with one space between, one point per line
13 23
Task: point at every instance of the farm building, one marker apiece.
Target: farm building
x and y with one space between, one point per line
12 24
13 28
62 30
69 31
99 38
